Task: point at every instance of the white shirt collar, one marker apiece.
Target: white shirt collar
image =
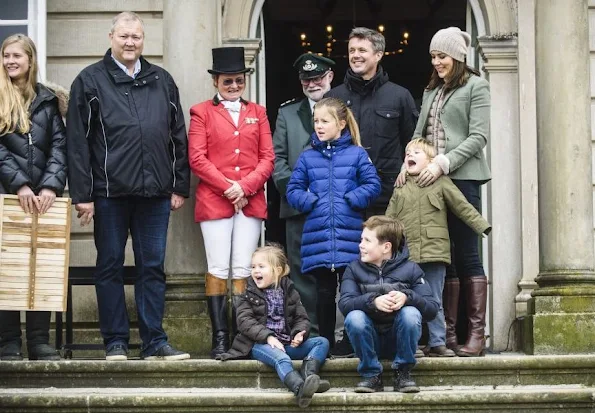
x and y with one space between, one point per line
125 69
312 103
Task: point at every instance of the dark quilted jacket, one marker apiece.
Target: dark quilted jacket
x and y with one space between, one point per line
333 182
251 309
38 158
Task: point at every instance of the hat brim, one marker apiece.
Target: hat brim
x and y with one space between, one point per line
306 76
221 72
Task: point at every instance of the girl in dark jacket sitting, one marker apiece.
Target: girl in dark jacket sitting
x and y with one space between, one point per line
32 166
333 183
273 326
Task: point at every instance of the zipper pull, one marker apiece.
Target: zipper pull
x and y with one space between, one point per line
30 139
333 268
328 145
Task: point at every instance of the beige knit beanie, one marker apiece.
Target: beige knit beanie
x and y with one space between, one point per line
451 41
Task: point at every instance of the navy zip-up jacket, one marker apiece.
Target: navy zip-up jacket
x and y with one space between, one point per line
363 282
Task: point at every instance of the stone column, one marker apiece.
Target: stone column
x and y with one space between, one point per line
190 30
504 191
565 300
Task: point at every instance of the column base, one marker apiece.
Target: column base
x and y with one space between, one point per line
562 324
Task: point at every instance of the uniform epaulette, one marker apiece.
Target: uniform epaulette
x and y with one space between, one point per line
290 101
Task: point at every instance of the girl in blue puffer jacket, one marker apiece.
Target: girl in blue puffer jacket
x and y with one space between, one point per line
333 183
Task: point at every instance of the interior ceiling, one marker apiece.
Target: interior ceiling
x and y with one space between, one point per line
365 10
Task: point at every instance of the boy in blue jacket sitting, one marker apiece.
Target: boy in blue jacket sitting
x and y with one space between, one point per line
384 298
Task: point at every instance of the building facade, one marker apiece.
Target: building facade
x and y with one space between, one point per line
538 56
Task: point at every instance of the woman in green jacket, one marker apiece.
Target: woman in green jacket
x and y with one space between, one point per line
455 117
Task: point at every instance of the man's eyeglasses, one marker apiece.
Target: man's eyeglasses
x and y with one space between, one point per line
238 80
316 80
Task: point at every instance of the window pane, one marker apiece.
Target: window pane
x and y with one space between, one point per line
13 10
6 31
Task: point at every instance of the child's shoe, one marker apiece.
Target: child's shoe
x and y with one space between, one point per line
403 382
43 352
370 385
441 351
303 389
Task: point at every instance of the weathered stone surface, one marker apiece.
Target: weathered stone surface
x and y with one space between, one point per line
478 399
490 371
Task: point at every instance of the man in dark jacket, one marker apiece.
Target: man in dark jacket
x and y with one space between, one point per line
385 112
384 298
128 168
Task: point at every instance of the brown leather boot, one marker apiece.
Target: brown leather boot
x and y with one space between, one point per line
450 304
238 287
476 293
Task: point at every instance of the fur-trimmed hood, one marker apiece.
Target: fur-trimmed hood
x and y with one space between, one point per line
61 93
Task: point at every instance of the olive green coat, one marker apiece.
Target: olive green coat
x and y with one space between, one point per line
423 213
465 117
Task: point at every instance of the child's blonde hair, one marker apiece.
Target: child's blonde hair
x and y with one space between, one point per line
276 258
339 111
424 145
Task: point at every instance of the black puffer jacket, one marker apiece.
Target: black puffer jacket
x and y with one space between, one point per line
386 115
38 158
362 283
251 309
126 137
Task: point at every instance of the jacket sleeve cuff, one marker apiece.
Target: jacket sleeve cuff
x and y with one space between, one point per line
443 162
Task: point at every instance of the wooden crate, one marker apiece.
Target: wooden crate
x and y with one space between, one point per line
34 256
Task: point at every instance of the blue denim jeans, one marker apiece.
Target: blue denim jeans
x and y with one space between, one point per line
434 275
464 242
147 220
315 347
398 344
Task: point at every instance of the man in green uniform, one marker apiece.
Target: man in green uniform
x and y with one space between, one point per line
292 135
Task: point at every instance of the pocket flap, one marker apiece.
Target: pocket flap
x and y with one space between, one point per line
387 113
435 201
437 232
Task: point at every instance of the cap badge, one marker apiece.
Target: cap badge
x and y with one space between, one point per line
309 66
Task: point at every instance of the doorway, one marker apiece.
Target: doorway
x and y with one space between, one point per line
322 26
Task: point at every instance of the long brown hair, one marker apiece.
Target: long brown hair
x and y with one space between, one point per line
339 111
15 101
457 77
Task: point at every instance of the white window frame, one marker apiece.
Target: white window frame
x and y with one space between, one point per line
36 23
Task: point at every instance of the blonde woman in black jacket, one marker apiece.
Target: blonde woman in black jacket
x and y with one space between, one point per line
32 166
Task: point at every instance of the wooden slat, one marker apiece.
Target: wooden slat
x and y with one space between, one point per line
34 254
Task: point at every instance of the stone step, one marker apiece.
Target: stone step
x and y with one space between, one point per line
492 370
484 399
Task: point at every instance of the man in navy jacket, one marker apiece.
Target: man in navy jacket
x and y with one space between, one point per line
384 298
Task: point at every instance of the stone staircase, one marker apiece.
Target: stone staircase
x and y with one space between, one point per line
496 383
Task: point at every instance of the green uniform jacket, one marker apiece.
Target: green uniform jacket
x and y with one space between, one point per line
292 135
465 118
423 213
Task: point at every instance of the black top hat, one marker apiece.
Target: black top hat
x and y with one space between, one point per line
228 60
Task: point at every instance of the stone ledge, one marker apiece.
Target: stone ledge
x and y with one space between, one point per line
494 370
577 399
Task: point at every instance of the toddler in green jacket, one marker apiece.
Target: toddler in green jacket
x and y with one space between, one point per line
423 212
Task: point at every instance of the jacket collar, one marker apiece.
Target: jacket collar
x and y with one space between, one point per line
118 75
395 261
343 141
305 114
43 94
217 101
363 87
285 284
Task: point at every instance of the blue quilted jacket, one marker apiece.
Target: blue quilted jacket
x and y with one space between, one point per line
333 183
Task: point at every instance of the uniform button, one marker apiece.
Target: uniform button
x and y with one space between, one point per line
236 133
237 168
237 151
388 115
156 77
144 82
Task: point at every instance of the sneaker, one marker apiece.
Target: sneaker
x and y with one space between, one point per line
403 382
370 385
168 353
43 352
11 352
419 353
342 350
118 352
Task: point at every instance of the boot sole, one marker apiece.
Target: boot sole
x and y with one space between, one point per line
185 356
308 389
116 358
409 390
11 358
323 386
53 357
367 390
